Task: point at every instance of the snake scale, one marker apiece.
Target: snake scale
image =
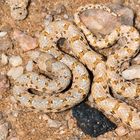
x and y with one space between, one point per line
61 67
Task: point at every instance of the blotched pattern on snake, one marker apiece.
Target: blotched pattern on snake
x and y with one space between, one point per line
106 74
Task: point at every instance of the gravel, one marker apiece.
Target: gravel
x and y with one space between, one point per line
15 61
15 72
4 128
4 59
4 83
18 9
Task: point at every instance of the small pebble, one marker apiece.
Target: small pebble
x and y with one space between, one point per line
14 138
15 113
121 131
60 9
54 123
51 123
4 131
2 34
70 121
15 72
132 72
5 43
91 121
4 83
4 59
48 19
61 132
26 42
15 61
33 130
4 128
66 16
44 117
29 66
18 8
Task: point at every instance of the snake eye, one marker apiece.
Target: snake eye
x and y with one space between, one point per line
60 42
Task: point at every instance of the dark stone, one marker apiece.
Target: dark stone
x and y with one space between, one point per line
92 121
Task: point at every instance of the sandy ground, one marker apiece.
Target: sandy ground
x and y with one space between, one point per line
29 125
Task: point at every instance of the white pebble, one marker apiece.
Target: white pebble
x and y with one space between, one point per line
15 60
2 34
54 123
48 19
14 138
5 44
15 72
66 16
4 59
18 8
4 131
51 123
121 131
15 113
45 117
29 66
132 72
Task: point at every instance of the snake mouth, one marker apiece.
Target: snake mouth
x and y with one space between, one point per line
34 92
